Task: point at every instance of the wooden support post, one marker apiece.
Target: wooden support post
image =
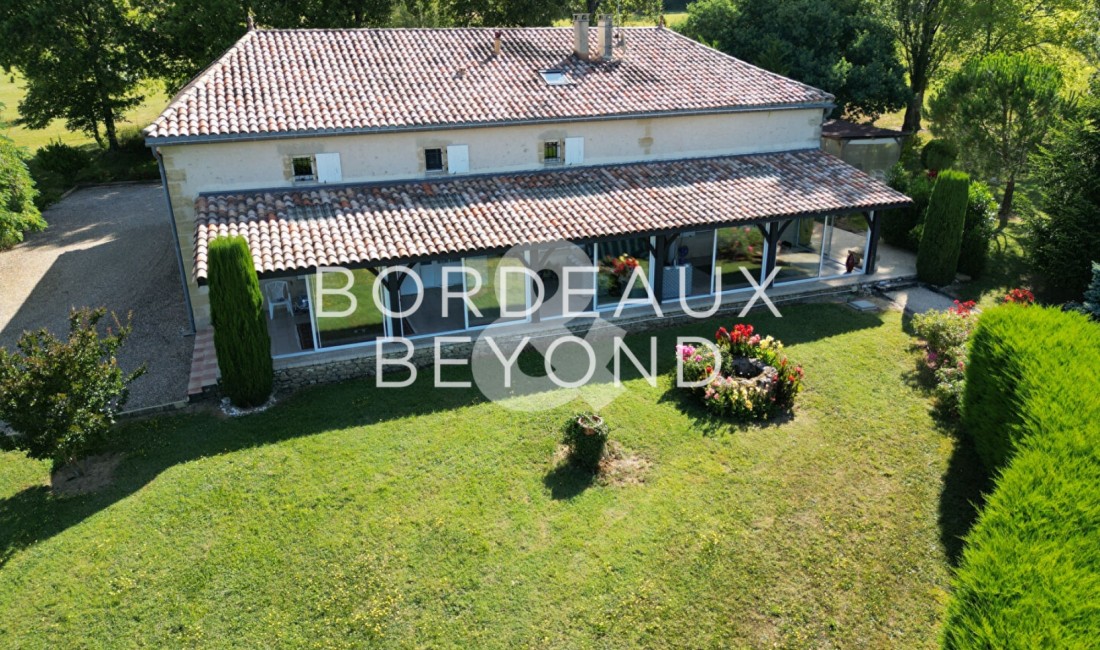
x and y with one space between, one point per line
772 230
874 223
393 286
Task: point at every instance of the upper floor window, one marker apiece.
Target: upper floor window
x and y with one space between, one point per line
551 151
303 168
433 160
316 168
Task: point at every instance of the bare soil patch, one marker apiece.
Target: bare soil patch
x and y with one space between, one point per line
85 476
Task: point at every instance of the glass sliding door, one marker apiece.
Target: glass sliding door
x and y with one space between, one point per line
502 284
845 243
365 323
799 253
436 313
692 255
737 247
616 263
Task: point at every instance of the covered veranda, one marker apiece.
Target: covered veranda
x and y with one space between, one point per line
692 228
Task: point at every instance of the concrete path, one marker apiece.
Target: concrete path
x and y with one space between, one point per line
917 300
107 246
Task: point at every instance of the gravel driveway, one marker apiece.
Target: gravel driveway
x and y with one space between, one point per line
107 246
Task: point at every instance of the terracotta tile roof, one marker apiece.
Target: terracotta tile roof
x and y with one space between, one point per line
310 81
297 229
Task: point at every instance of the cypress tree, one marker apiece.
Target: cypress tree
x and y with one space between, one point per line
240 329
938 255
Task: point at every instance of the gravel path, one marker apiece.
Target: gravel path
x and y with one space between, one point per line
107 246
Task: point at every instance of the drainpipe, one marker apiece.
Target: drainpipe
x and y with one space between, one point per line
176 240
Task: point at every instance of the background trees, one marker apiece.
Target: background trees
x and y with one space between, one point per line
844 46
83 61
1066 240
998 110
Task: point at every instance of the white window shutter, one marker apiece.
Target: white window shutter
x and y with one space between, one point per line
574 151
328 168
458 159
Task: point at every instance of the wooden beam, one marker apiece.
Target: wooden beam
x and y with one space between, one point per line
875 223
660 256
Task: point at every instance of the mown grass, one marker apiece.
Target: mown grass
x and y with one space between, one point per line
356 516
11 93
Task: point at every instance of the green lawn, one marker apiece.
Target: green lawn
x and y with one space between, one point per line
11 93
355 516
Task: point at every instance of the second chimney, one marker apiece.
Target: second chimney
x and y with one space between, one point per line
580 35
603 37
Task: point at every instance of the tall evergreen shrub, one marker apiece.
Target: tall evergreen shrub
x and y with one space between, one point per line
981 221
240 329
941 241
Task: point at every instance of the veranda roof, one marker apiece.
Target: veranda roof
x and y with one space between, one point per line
298 229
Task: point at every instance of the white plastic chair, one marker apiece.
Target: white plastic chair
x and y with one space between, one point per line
278 294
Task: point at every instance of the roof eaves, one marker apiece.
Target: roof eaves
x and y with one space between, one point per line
153 141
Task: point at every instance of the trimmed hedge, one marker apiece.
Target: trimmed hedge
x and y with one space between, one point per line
1029 369
941 241
240 327
1030 571
938 154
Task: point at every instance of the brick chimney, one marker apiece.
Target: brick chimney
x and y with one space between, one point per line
580 35
604 35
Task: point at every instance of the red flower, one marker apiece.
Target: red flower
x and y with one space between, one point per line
722 334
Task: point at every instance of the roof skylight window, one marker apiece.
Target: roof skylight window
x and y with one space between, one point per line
555 77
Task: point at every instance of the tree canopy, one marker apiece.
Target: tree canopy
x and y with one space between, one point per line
1065 242
845 47
998 111
83 61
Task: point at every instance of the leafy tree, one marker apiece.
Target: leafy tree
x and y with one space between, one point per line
82 61
941 241
18 213
842 46
998 110
61 397
505 13
240 326
1010 26
926 30
1063 243
221 23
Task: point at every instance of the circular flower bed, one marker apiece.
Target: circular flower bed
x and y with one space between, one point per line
748 379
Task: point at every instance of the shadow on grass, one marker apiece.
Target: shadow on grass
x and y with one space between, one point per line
567 480
151 446
687 403
964 485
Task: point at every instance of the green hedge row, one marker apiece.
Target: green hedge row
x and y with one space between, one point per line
1030 369
1030 571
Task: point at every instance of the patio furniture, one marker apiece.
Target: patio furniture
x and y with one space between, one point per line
278 295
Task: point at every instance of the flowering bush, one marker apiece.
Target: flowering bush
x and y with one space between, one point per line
767 389
1019 297
622 266
945 334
